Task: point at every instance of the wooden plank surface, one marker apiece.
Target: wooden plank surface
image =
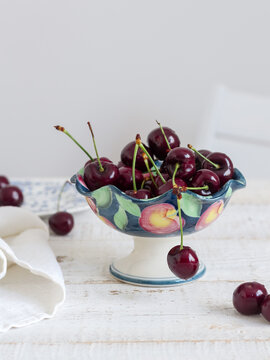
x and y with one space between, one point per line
105 319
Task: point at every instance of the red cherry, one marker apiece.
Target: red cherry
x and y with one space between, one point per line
185 158
169 185
265 308
248 297
157 142
140 194
3 181
11 196
127 156
183 263
205 177
125 181
61 222
95 178
225 170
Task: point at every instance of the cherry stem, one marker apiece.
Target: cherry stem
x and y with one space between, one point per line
61 128
133 167
152 161
60 194
142 185
180 220
174 173
206 187
148 169
204 157
163 133
178 204
101 168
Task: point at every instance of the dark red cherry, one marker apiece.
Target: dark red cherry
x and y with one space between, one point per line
185 158
61 222
158 180
183 263
125 181
265 308
157 142
120 164
169 185
11 196
95 179
3 181
225 171
199 160
205 177
140 194
248 298
127 156
102 159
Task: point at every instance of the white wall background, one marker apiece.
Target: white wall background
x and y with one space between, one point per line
119 64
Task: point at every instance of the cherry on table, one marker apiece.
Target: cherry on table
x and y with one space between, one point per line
265 308
11 196
61 222
183 263
3 181
158 144
248 298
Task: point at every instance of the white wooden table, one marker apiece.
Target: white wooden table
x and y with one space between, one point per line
106 319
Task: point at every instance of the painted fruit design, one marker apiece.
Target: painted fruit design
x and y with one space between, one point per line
160 219
210 215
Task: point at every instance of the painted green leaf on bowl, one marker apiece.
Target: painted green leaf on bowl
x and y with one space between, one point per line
103 197
190 205
120 218
129 206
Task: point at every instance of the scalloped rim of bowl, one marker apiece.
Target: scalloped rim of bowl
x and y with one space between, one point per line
238 178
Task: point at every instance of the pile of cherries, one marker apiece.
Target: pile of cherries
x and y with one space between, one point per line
251 298
10 195
203 169
181 169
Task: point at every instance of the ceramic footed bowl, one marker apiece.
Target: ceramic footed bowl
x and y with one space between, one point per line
152 223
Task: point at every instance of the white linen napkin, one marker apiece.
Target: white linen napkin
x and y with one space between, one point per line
31 282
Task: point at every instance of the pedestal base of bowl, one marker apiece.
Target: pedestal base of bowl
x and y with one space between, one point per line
147 264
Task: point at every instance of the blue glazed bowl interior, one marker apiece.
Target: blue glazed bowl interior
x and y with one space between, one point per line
157 217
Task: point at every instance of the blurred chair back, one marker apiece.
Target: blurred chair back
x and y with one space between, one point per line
239 125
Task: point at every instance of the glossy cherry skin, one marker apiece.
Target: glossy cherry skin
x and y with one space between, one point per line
199 160
183 263
95 179
3 181
125 181
127 156
205 177
11 196
101 159
185 158
248 297
158 180
169 185
265 308
143 194
61 222
158 144
225 172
